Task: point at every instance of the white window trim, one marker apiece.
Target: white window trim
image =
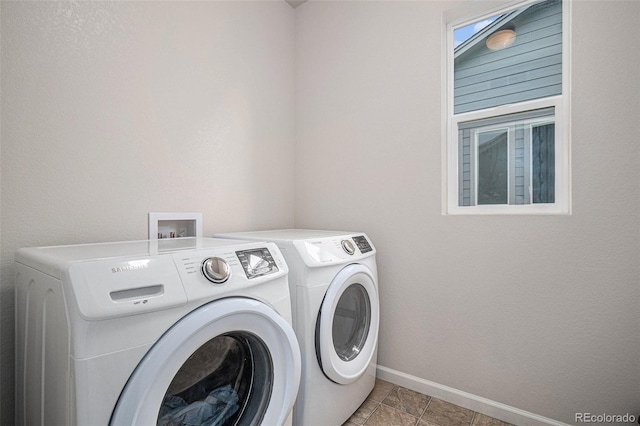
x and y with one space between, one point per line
561 103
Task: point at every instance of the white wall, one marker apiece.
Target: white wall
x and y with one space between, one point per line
111 110
536 312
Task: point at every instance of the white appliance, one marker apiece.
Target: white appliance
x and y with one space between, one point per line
334 290
149 332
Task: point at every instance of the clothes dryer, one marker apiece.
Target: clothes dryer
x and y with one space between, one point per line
334 289
155 332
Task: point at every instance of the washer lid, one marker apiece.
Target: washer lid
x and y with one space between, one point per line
347 329
144 395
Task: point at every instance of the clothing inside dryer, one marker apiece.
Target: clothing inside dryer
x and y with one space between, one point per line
227 381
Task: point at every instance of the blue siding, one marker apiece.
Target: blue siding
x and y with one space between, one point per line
465 196
531 68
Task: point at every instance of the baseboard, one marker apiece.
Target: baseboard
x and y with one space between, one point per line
463 399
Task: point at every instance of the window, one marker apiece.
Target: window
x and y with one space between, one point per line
507 140
507 160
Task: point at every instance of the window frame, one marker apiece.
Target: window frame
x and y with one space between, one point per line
560 103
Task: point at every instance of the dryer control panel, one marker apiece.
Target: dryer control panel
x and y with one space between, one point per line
343 249
362 243
257 262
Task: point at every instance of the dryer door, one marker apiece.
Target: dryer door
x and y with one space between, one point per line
232 361
347 327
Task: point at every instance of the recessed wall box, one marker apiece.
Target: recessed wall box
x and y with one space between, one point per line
174 225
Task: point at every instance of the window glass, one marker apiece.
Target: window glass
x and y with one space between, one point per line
493 167
509 58
508 159
543 163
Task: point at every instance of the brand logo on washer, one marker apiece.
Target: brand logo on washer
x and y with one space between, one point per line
127 268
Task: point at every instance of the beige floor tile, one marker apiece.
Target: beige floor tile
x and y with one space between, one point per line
388 416
391 405
484 420
407 400
426 423
443 413
364 412
381 390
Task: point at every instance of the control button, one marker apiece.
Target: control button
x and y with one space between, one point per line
348 246
216 270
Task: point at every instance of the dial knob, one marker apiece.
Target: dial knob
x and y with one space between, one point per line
348 246
216 270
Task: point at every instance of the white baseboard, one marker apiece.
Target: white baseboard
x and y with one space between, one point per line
482 405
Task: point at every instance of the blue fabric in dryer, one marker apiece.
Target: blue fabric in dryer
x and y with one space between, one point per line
217 407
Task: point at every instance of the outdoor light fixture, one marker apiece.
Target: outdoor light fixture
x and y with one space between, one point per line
501 39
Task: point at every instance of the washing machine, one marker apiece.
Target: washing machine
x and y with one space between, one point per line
334 290
166 332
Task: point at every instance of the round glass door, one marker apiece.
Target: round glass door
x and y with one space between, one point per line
347 327
227 379
351 322
233 361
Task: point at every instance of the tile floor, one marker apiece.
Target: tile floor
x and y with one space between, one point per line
392 405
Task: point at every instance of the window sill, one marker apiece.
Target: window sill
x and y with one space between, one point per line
502 210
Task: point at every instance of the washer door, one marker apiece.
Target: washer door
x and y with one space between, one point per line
231 362
347 327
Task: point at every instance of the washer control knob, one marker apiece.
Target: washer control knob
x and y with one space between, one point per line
348 246
216 270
